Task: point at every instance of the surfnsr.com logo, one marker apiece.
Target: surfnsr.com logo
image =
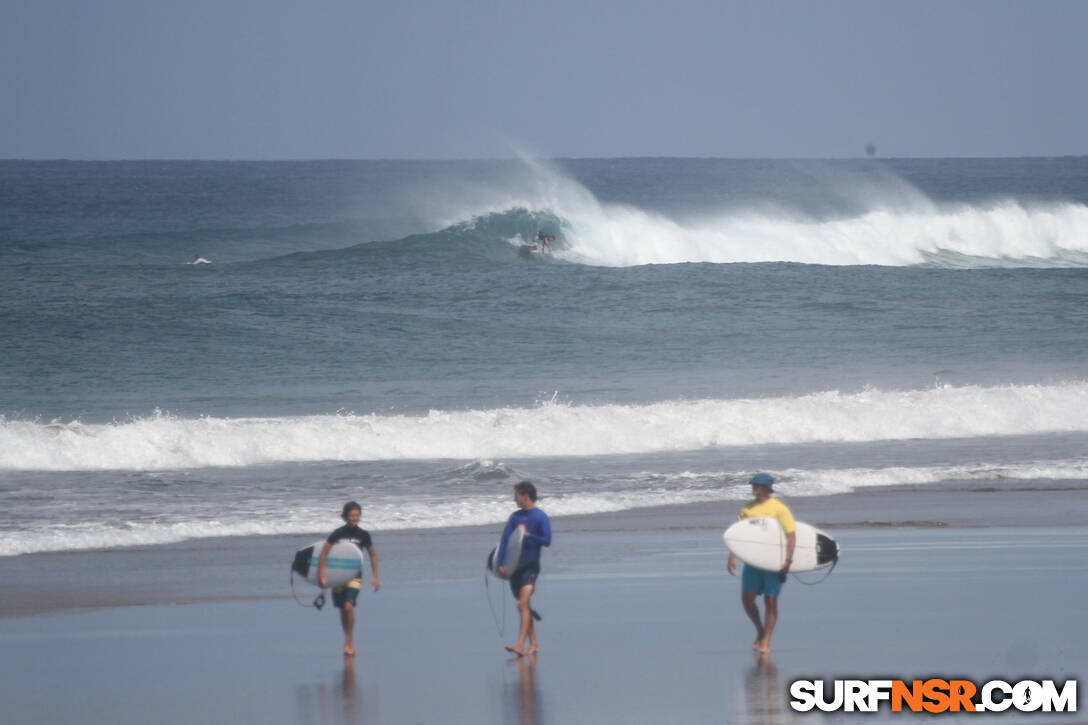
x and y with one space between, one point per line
933 696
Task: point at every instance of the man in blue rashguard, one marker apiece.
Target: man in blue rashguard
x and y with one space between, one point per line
538 532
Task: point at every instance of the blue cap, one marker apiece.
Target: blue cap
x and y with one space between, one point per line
763 479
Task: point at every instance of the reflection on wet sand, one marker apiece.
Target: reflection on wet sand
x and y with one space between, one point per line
521 706
765 702
338 703
349 692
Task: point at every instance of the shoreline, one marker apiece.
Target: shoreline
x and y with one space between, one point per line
238 569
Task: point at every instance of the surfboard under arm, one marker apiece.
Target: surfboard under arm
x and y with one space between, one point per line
761 542
511 556
343 563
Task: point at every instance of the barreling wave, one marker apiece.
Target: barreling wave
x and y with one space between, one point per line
883 222
165 442
1008 234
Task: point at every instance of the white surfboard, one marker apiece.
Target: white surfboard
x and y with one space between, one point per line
510 557
761 542
343 563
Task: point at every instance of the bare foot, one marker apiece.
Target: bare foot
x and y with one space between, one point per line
758 644
349 651
515 650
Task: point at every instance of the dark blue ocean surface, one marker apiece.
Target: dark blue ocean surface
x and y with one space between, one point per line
380 323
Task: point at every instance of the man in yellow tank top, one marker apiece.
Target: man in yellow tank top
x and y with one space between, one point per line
760 581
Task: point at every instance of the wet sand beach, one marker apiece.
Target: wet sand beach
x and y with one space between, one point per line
642 624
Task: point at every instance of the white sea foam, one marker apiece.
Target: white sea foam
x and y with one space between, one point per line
381 515
163 441
1005 234
900 227
387 513
798 482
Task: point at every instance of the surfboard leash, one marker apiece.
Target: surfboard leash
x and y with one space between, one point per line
317 603
825 576
501 630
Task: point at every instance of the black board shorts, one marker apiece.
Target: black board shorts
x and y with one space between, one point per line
525 574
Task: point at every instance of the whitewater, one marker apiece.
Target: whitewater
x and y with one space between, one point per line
1004 235
163 441
261 510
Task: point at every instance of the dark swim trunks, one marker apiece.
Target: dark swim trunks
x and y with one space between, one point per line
524 575
346 593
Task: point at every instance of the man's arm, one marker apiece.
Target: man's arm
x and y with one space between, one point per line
544 538
791 543
374 565
789 525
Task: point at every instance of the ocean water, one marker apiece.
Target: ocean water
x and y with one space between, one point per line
370 330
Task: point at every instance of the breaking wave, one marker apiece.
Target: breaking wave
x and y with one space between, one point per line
883 221
163 441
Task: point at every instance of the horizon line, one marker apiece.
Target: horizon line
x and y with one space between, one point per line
504 159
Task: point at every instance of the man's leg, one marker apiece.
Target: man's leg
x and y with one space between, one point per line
347 621
533 648
524 597
771 619
748 599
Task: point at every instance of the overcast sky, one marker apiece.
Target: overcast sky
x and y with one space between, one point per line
305 79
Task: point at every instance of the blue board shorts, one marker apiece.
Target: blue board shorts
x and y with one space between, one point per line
347 593
760 581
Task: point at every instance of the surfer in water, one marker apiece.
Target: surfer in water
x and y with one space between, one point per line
760 581
537 246
544 240
537 528
343 598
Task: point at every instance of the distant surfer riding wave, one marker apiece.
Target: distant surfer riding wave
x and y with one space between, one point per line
536 248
